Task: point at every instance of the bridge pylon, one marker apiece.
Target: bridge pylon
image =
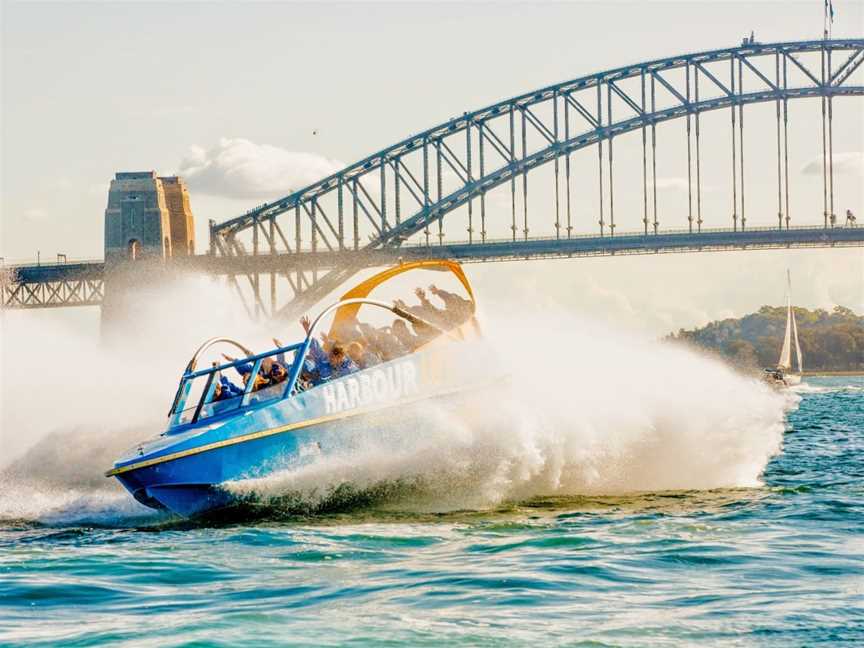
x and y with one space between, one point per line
148 222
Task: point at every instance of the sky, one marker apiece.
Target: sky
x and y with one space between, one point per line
249 100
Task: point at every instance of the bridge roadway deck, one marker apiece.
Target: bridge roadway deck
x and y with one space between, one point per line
497 250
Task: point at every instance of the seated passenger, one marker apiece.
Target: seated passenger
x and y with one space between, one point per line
407 339
340 363
333 363
260 381
225 390
428 311
383 343
362 356
308 377
457 309
246 368
278 374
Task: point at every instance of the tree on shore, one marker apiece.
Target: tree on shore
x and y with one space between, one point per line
830 341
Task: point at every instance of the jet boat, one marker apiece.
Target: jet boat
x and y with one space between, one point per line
210 441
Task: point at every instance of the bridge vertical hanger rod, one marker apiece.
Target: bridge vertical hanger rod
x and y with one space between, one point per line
383 195
426 186
611 185
654 151
356 216
557 167
689 156
600 153
698 155
741 137
481 135
341 212
524 176
831 212
297 243
212 225
779 157
512 176
397 180
567 166
786 143
830 145
272 272
256 277
824 150
440 183
644 161
315 233
734 154
468 180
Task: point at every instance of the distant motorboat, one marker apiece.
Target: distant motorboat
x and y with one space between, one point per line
783 374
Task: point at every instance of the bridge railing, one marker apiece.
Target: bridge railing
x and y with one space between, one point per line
639 233
20 263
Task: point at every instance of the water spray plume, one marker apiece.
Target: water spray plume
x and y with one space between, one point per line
586 411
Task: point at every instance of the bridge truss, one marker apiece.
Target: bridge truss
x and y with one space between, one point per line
52 285
461 189
403 196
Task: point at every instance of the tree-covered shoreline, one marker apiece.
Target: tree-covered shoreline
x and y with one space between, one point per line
830 341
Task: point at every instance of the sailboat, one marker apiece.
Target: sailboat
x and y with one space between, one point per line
784 373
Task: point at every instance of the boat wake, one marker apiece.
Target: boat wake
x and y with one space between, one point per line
60 481
588 411
805 388
595 414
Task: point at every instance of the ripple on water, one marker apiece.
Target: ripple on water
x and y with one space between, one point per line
773 566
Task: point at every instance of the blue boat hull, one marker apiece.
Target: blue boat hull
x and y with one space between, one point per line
184 472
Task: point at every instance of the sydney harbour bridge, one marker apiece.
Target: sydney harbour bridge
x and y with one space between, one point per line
464 189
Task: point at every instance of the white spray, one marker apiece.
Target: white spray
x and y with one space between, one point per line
588 410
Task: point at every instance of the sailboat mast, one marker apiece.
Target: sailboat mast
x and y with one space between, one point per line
785 361
790 317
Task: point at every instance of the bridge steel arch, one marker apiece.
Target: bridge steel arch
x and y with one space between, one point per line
406 191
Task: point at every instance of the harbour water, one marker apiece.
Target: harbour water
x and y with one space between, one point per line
777 563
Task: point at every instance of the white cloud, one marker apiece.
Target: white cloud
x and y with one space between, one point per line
239 168
851 163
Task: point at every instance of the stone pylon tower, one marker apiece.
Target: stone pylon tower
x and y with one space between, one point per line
179 216
148 221
147 217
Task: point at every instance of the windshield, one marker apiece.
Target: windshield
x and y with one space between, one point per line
223 388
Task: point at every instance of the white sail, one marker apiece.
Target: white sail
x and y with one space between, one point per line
797 346
785 361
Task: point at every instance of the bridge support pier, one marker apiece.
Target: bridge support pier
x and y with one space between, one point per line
148 224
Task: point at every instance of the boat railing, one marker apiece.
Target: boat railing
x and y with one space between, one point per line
206 406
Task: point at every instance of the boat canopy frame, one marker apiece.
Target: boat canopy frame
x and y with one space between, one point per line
300 350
